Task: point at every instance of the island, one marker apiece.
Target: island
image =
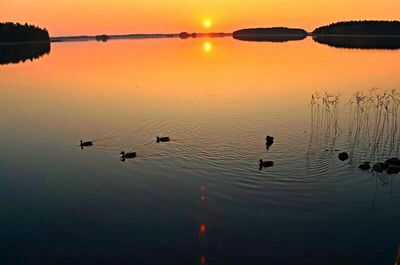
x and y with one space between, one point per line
365 27
184 35
372 34
102 38
274 34
16 32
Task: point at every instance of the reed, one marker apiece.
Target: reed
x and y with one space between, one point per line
373 123
324 120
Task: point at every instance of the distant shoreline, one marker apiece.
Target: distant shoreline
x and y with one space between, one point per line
85 38
167 36
357 29
110 37
163 36
105 37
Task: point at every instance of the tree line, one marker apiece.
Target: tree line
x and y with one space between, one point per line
16 32
366 27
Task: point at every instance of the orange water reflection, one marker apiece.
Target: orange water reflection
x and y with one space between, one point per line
224 74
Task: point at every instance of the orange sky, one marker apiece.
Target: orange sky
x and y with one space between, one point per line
75 17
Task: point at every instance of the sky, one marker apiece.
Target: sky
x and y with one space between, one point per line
91 17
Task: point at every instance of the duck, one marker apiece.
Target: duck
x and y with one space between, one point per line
263 163
365 166
343 156
86 144
124 155
162 139
270 140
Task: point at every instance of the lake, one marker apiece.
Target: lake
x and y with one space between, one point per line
200 198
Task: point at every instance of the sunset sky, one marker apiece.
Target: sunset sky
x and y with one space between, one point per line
75 17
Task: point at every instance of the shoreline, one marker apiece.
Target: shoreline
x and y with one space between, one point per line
83 38
137 36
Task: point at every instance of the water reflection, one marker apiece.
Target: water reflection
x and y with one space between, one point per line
360 42
207 47
202 227
17 53
203 260
151 87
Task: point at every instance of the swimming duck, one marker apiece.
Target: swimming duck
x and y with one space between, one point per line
269 139
124 155
263 163
365 166
343 156
162 139
85 144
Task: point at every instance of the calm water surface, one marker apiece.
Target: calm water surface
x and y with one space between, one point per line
199 199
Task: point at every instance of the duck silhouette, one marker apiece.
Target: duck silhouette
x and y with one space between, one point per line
263 163
269 141
343 156
162 139
85 144
128 155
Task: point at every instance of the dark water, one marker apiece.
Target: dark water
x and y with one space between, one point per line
200 198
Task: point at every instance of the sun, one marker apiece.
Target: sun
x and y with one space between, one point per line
207 23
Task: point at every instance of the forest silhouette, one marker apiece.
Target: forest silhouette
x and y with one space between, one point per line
371 27
15 32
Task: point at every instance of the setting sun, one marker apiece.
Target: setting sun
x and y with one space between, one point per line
207 23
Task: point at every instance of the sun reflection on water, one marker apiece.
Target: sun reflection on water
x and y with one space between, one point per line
207 47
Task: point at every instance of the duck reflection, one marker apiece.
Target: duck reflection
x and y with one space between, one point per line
269 141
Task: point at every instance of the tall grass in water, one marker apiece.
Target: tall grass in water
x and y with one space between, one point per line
373 124
324 121
372 132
